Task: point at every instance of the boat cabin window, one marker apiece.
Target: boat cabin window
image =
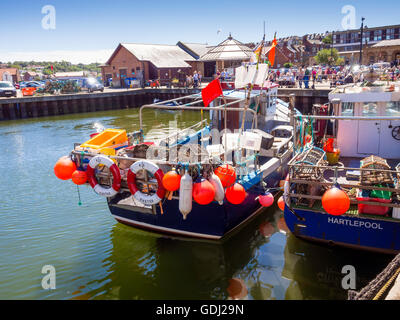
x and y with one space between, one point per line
392 109
348 109
369 109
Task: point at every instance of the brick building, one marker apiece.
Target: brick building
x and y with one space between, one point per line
10 74
154 61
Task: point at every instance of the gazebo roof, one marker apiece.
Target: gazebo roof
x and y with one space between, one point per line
230 49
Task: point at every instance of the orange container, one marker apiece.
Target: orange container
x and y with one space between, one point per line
108 138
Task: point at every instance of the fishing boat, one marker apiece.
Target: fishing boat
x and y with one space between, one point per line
343 182
204 181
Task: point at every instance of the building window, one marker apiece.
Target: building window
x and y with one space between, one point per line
113 67
347 109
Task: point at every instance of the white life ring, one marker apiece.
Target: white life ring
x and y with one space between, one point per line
146 199
90 171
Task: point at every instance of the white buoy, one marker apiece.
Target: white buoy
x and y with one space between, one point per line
185 195
219 189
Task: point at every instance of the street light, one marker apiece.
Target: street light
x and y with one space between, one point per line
361 38
333 32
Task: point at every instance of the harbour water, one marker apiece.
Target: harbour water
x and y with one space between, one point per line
95 257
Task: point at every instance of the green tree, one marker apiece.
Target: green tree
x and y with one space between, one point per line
327 39
328 56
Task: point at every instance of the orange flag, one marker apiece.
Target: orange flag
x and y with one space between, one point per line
271 53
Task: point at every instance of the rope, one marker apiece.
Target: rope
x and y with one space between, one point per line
386 285
79 196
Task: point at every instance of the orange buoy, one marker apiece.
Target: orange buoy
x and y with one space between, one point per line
235 194
79 177
203 191
171 180
226 173
266 199
335 201
64 168
281 203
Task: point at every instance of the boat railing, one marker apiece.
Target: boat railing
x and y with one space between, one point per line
181 132
317 117
190 106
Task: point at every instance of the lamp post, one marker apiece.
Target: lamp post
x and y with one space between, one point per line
361 38
333 32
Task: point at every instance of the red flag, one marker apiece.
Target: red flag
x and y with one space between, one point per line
271 54
212 91
51 67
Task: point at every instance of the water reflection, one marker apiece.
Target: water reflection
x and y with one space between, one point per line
315 271
147 266
261 261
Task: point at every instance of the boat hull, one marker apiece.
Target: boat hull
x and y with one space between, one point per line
212 221
358 232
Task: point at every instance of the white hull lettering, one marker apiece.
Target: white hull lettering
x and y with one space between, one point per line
355 223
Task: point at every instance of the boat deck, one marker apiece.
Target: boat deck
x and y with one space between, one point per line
351 162
349 179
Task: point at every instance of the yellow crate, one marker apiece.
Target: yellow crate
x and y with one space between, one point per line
107 138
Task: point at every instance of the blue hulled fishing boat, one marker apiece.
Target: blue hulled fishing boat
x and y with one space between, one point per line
343 183
203 181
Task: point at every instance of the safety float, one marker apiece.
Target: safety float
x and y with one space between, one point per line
194 182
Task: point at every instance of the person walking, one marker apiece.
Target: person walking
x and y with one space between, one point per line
306 78
301 77
200 77
314 76
195 79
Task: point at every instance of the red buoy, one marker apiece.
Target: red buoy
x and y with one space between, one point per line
226 173
79 177
335 201
266 199
64 168
203 191
171 180
281 203
235 194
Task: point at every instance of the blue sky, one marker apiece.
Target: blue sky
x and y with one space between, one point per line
97 24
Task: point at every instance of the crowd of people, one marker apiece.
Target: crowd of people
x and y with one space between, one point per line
332 76
194 80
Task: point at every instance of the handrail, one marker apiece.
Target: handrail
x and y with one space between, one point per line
183 107
347 117
340 168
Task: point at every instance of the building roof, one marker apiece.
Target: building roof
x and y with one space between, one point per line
196 50
11 71
161 55
230 49
387 43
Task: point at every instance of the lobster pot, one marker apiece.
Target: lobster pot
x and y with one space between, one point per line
301 164
375 177
301 170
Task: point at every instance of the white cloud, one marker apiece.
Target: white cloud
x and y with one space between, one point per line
74 57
